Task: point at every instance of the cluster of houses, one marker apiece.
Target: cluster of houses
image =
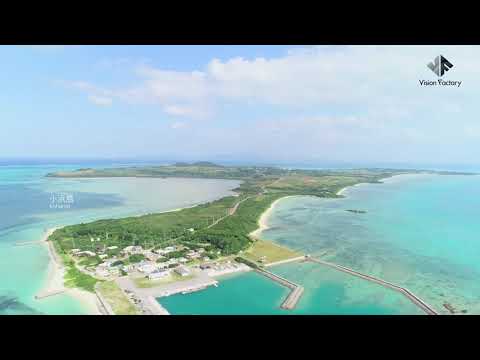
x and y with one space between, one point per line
106 269
216 269
87 253
156 264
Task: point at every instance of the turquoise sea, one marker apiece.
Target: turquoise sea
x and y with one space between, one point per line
29 204
419 231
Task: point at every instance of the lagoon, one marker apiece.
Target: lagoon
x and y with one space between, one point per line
26 199
419 232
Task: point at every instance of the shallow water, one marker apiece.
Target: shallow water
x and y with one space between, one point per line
419 232
327 292
30 203
245 294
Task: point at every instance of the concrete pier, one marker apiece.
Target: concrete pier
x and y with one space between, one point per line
293 298
296 290
104 307
411 296
46 294
153 307
26 243
198 282
298 258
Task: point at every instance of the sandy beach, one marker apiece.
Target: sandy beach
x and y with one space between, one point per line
342 191
385 179
262 222
55 283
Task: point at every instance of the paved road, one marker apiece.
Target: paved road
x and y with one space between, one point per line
200 280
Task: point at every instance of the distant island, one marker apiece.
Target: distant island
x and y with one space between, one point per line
197 164
219 231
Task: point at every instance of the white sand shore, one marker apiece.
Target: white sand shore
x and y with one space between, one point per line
56 270
55 280
342 191
385 179
262 222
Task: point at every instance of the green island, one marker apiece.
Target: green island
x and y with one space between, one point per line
163 248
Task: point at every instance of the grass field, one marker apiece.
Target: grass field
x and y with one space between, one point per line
269 251
143 282
116 298
73 277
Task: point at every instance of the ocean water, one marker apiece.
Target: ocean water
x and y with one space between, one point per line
30 203
245 294
327 292
419 231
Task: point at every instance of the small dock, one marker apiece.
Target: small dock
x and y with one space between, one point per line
411 296
199 282
26 243
296 290
293 298
105 308
286 261
152 307
46 294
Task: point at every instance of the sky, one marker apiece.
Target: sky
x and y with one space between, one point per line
284 104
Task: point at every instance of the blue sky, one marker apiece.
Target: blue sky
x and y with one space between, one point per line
354 104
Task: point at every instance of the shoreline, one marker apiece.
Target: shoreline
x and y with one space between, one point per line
262 220
55 280
56 271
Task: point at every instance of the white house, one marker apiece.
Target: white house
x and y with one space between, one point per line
172 262
158 274
102 272
162 265
182 271
86 253
128 268
147 268
133 249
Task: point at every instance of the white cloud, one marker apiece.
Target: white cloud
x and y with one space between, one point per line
178 125
372 77
50 47
179 110
100 100
362 102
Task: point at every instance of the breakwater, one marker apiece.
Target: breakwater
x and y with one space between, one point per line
411 296
295 294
